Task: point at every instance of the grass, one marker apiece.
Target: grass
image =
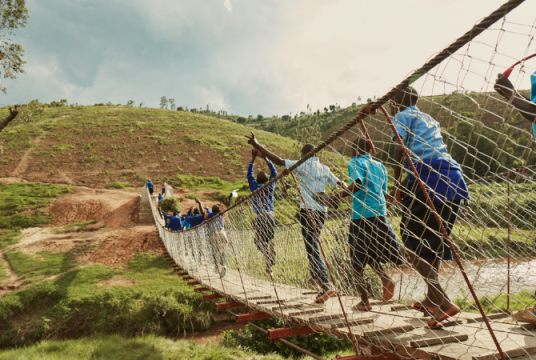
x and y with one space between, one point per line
497 304
79 227
18 198
191 196
142 348
156 301
118 185
40 265
117 138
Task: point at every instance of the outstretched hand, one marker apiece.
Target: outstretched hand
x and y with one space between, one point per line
14 112
252 140
503 85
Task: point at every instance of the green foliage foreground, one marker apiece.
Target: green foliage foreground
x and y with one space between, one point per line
116 347
75 305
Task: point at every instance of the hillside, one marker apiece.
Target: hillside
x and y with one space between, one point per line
112 146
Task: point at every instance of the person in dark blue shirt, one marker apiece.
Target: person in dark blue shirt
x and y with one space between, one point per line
263 207
160 197
173 222
150 186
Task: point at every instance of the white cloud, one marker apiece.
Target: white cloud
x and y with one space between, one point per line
228 5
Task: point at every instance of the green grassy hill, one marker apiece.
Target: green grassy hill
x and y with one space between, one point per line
98 146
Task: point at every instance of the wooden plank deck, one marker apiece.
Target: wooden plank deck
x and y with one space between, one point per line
388 327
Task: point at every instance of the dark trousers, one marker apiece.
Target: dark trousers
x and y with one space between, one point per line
420 230
264 237
316 262
151 190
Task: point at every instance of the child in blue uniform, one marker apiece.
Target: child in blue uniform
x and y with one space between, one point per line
263 207
444 181
173 222
160 197
372 239
150 186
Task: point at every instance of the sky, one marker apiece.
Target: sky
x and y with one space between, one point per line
248 57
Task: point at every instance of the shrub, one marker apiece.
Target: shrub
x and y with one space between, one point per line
118 185
170 205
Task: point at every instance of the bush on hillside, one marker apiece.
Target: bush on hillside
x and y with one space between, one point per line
170 205
118 185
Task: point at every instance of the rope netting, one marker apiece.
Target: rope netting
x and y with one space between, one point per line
446 265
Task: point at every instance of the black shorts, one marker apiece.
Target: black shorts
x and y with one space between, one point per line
151 190
373 240
420 230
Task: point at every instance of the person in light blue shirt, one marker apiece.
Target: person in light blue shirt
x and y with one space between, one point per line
313 178
527 107
371 237
444 183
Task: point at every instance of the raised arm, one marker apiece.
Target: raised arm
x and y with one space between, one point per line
266 153
506 89
251 178
12 115
273 171
201 211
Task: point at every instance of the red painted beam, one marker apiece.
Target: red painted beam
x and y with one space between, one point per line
182 273
212 296
250 317
228 305
190 283
388 356
187 278
199 289
285 332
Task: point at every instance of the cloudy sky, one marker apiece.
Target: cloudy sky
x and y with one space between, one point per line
244 56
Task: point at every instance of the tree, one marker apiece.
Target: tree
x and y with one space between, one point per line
369 100
171 104
180 108
163 102
141 103
260 118
354 104
332 108
359 98
130 103
241 120
285 118
326 110
13 14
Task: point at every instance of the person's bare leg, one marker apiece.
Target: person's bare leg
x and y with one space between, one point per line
442 306
387 282
364 304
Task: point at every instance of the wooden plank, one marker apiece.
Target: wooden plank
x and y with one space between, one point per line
260 297
266 302
508 353
490 317
304 312
388 331
439 340
338 323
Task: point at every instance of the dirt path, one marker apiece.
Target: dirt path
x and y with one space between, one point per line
23 163
12 280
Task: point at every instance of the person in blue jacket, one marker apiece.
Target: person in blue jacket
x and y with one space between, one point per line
263 207
160 197
173 222
150 186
